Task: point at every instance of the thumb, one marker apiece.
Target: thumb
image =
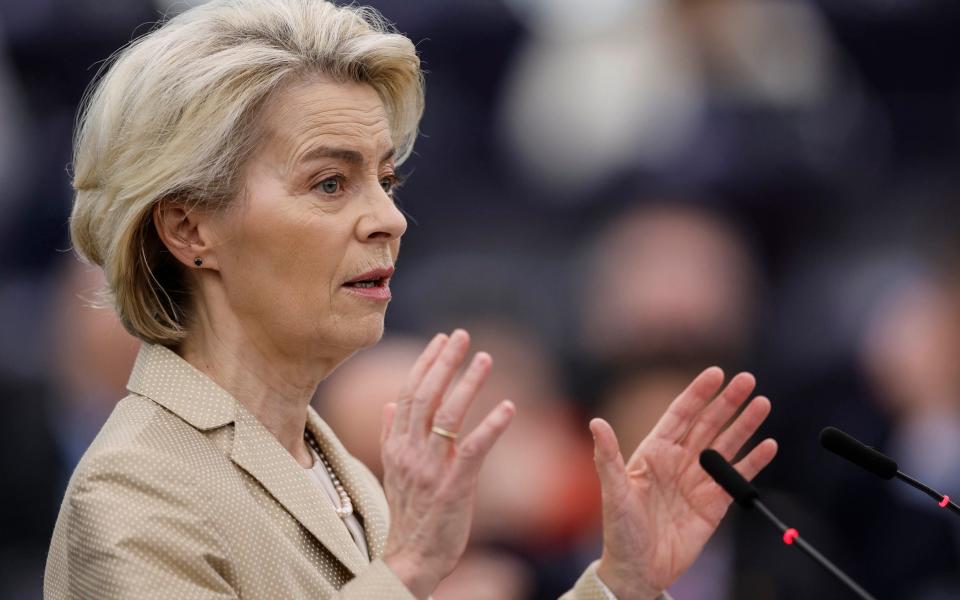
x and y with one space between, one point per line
608 459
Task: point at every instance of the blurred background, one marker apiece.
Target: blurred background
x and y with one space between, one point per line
610 195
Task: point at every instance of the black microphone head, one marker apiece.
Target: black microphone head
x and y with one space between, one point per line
728 478
858 453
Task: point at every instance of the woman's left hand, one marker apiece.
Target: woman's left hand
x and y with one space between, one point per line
660 507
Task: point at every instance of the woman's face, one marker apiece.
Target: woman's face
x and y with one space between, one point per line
317 214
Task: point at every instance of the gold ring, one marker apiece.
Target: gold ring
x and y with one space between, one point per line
451 435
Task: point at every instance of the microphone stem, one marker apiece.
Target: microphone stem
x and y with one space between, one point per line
928 491
780 525
812 553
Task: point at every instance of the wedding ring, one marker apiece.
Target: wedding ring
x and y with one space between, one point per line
451 435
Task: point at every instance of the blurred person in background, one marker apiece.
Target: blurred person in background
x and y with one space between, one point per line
234 178
909 352
699 91
92 356
684 281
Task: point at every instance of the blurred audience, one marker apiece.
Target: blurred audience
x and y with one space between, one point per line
704 88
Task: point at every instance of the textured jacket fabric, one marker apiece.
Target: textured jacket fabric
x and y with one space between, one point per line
185 494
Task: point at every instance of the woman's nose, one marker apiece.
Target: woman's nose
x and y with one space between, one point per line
383 219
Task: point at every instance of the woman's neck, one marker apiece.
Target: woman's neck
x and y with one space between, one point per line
275 387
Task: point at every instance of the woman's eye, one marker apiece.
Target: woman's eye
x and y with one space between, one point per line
388 183
329 186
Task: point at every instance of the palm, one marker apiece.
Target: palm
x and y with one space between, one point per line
660 508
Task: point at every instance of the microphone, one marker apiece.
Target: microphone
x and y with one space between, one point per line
877 463
747 496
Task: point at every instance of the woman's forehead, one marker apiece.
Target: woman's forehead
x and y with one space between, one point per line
350 116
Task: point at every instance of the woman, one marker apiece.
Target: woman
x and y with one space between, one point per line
234 174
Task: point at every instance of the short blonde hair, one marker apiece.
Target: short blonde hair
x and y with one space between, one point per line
174 117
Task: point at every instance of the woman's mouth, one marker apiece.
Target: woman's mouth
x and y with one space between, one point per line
372 285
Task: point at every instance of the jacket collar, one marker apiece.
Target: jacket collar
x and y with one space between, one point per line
161 375
164 377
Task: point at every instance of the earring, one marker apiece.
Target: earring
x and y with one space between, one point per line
198 261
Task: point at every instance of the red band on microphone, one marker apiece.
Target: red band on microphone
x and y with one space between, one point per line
943 503
789 535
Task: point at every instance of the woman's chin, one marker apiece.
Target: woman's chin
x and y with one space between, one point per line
360 333
372 335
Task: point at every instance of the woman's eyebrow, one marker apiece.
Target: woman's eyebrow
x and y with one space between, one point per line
344 154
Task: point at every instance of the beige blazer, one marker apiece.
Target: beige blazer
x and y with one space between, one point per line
185 494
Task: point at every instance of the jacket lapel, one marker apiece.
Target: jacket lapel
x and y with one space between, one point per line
257 452
363 488
164 377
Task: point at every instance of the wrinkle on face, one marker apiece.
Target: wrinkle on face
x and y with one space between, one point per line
344 115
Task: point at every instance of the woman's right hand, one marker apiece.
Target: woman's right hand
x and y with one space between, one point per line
430 480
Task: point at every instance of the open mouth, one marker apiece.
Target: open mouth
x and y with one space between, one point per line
377 278
367 283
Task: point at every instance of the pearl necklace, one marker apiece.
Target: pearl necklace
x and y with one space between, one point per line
346 506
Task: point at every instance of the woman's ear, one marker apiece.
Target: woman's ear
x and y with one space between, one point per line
186 233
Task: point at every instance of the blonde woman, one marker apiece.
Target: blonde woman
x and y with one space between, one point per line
234 172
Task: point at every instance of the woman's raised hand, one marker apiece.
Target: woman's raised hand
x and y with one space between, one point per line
660 507
430 479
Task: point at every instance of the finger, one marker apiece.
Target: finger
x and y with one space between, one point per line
743 427
475 447
757 459
609 462
452 410
436 381
682 411
386 423
417 372
711 420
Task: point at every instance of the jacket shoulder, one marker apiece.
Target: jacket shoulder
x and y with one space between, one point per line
146 457
139 429
135 508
